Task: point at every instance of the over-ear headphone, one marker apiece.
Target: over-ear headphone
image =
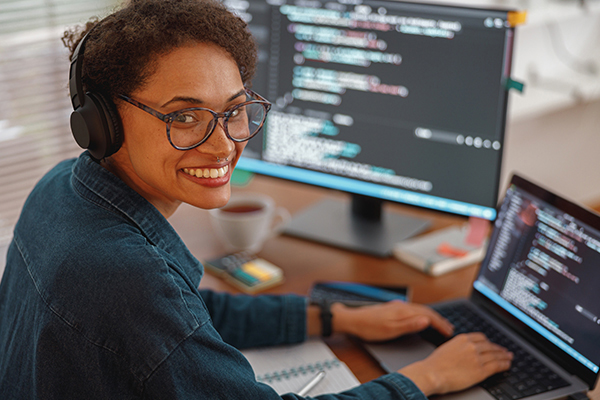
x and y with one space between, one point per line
95 122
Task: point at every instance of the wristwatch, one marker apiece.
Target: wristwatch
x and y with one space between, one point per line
326 317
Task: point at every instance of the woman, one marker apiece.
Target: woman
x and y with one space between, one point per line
100 296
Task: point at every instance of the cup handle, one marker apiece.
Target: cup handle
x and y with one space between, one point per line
280 219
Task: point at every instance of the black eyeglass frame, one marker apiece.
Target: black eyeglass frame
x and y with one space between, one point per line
169 118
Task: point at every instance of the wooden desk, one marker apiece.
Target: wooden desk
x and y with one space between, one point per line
305 262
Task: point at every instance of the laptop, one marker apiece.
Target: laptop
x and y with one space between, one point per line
537 293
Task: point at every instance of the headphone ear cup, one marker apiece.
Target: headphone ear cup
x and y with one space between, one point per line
112 120
97 126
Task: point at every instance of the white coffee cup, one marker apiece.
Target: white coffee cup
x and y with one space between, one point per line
247 221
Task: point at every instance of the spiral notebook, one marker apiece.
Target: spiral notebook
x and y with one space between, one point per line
288 368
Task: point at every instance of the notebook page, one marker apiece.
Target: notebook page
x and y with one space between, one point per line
288 368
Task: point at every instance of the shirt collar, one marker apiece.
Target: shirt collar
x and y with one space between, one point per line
99 185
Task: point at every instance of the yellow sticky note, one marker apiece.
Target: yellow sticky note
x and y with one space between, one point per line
256 271
515 18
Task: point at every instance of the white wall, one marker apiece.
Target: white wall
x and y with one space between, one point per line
553 132
559 149
557 55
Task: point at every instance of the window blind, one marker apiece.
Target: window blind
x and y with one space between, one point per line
34 98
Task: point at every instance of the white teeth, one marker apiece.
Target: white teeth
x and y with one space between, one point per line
207 172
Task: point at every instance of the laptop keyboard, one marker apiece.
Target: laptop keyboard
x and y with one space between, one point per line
527 375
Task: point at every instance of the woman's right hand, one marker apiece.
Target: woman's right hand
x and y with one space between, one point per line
461 362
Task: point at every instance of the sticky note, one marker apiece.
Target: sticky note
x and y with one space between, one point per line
478 229
516 18
446 249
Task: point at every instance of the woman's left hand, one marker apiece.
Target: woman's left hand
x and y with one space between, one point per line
387 320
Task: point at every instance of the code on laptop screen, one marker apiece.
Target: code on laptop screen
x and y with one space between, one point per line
544 269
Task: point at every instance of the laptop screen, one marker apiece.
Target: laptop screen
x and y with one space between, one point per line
543 267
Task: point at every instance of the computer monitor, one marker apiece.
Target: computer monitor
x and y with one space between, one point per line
388 101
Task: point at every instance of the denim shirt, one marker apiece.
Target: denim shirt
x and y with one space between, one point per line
100 300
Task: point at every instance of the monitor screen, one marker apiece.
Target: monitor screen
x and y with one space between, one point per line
386 100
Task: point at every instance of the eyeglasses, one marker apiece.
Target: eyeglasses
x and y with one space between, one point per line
190 127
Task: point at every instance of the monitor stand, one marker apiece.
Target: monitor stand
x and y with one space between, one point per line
362 226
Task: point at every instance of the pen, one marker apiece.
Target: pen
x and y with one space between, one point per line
312 383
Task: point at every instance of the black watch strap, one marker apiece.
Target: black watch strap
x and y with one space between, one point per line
326 318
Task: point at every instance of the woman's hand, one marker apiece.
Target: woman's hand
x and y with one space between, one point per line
458 364
387 320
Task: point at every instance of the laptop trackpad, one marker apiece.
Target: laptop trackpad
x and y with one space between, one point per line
474 393
398 353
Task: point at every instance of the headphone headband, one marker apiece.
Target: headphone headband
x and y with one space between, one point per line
75 80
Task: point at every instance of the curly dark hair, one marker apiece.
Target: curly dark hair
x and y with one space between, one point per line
122 49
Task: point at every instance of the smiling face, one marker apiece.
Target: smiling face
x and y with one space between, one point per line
197 75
